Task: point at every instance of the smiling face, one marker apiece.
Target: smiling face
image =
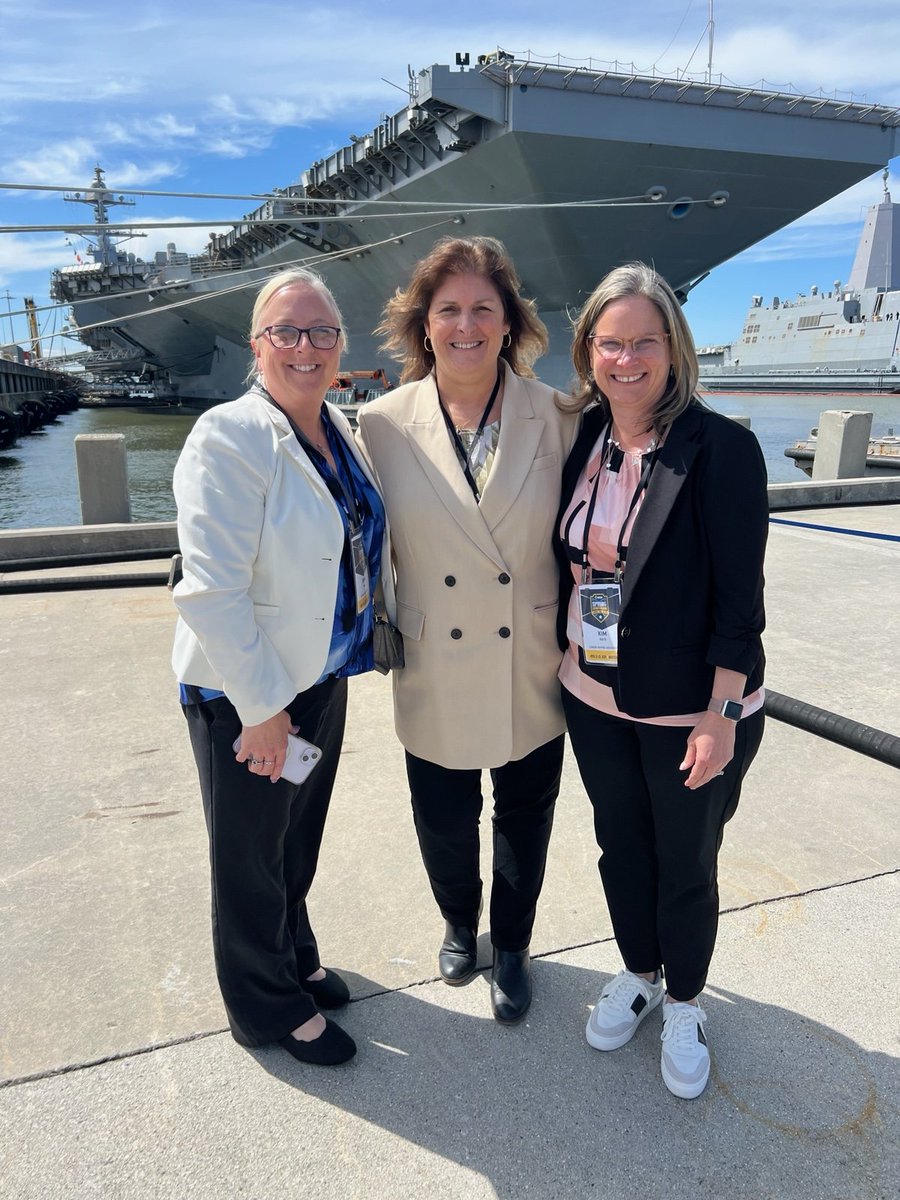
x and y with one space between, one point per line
466 323
297 378
632 383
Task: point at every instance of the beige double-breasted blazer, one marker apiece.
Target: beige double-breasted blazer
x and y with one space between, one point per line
476 584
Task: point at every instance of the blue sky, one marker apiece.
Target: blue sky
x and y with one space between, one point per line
241 97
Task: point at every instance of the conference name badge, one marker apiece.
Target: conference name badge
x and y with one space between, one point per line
600 604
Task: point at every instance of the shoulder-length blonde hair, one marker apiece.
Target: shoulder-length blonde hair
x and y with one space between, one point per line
637 279
403 321
291 277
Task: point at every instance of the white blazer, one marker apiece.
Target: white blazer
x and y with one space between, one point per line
262 539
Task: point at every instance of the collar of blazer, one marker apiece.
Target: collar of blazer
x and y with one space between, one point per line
520 436
676 457
291 446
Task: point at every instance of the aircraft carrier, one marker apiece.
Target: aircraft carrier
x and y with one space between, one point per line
575 169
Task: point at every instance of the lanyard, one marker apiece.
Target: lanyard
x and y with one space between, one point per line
333 480
465 455
611 457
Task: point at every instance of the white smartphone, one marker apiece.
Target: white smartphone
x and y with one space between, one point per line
302 757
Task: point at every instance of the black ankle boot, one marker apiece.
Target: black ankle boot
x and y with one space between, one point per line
511 985
458 955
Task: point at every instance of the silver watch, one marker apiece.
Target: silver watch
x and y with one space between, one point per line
730 709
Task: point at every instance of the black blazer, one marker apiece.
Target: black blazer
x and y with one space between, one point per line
692 592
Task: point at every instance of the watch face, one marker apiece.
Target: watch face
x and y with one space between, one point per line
732 710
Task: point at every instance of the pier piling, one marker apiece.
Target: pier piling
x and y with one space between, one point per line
842 444
102 478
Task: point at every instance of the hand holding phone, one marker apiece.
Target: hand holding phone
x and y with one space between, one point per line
302 758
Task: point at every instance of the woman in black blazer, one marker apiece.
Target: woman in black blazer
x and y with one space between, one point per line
661 538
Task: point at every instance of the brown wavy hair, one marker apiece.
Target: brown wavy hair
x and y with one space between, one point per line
636 279
403 320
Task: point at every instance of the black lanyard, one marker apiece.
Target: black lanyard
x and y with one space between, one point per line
611 457
465 455
333 480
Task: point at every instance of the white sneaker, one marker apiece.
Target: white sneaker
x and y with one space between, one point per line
685 1056
623 1004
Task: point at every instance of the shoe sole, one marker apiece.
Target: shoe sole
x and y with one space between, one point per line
599 1042
684 1091
460 980
513 1020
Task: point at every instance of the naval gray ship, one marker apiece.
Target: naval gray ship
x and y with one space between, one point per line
845 340
575 169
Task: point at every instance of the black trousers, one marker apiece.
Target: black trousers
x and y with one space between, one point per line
447 807
659 840
264 841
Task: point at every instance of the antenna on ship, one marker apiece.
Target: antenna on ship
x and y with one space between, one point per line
885 175
101 200
711 26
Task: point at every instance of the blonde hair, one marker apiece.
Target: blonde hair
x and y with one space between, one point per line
291 277
403 321
636 279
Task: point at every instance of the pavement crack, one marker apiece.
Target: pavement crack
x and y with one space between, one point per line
70 1068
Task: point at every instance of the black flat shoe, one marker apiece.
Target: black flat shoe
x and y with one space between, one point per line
330 992
327 1050
458 955
511 985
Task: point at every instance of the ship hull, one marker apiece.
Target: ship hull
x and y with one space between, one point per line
788 383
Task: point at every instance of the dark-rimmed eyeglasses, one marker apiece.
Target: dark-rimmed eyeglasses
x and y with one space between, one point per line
286 337
647 346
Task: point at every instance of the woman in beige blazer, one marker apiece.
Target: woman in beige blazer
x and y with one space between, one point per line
468 454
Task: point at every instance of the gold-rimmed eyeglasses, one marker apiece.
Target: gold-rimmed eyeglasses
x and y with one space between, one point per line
286 337
646 346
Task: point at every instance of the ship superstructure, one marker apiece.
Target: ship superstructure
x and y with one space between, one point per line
843 340
574 169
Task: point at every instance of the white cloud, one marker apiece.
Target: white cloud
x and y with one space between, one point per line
21 254
129 174
57 163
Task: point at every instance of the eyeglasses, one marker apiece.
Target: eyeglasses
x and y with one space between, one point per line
286 337
647 346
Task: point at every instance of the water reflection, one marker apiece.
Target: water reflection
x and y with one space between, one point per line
38 480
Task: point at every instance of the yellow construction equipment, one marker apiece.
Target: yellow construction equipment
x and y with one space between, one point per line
31 316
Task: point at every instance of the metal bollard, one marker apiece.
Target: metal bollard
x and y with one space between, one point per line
102 478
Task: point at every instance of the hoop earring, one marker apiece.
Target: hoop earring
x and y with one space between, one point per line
507 340
429 346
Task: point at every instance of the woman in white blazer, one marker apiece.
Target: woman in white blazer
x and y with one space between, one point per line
282 531
468 454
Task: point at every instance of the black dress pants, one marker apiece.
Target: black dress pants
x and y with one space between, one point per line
659 840
447 806
264 841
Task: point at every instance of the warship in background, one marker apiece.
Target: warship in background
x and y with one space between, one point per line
847 340
574 169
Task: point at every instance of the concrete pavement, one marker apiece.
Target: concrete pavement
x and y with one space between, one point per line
104 901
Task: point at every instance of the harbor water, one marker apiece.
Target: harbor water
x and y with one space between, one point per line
39 486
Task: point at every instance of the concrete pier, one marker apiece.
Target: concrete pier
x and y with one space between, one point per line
119 1080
